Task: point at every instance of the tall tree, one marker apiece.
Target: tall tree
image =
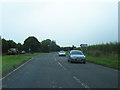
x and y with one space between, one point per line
4 46
54 46
7 44
32 43
11 44
49 46
20 46
46 45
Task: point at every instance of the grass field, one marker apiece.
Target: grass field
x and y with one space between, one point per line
10 62
107 61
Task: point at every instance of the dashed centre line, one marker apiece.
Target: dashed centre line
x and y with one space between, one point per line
62 66
83 84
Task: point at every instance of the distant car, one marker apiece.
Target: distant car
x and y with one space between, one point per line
13 51
62 53
22 52
76 56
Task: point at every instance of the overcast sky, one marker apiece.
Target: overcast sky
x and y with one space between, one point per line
68 23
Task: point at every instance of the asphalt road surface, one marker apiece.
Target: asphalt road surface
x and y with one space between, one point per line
52 71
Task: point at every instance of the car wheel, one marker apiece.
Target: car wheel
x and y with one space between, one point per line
84 62
68 60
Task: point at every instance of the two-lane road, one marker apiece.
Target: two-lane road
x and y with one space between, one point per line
52 71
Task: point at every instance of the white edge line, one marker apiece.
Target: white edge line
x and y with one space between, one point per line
15 69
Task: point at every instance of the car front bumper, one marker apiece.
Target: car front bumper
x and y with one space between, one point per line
62 55
77 60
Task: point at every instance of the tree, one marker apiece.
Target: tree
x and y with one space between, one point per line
32 43
7 44
73 47
46 45
20 46
54 46
4 46
11 44
49 46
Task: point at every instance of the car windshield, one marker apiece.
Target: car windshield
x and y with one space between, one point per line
77 53
62 51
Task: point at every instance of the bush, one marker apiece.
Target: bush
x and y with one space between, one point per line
95 53
103 49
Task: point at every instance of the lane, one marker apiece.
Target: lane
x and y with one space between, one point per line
52 71
95 76
41 72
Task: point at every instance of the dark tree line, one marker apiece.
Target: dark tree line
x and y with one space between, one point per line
70 48
31 44
7 44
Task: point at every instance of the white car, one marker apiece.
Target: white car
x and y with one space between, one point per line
62 53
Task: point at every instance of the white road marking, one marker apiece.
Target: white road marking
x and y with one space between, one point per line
15 69
59 87
61 65
83 84
53 86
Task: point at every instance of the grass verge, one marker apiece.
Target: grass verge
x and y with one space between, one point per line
107 61
10 62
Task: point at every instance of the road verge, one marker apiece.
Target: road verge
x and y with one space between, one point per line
104 61
11 62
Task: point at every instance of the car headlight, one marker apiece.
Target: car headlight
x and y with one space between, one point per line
72 57
83 57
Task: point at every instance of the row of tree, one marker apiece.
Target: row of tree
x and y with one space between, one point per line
31 44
